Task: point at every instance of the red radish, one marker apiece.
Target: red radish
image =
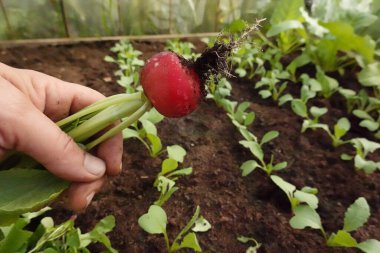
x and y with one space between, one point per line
171 85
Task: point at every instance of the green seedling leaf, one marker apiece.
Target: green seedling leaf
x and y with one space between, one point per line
129 133
329 85
154 222
299 108
317 112
346 157
341 127
265 93
156 145
235 26
176 152
288 188
201 225
365 146
168 165
248 166
307 198
356 215
251 249
16 239
284 99
367 166
305 216
369 246
310 190
24 190
269 136
370 125
362 114
149 127
370 75
255 148
181 172
280 166
284 26
286 10
341 239
190 241
153 116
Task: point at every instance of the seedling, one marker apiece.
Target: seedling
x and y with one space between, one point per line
306 195
155 221
340 129
165 180
255 147
251 249
247 61
271 85
129 65
355 217
51 238
185 49
146 132
362 148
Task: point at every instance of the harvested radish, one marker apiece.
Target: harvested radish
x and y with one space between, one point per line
172 87
172 84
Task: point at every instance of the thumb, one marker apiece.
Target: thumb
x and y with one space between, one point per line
36 135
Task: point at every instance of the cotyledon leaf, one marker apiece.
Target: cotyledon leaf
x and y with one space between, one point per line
24 190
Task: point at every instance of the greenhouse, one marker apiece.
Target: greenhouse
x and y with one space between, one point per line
190 126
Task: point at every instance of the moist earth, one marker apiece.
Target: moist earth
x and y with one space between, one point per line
251 206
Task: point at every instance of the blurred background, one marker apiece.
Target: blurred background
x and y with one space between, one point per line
33 19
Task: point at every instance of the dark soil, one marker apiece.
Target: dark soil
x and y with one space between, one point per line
235 205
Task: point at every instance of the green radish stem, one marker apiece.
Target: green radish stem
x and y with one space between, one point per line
102 114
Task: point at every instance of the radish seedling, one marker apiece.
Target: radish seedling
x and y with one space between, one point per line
48 237
362 148
185 49
255 147
251 249
296 197
129 65
355 217
155 222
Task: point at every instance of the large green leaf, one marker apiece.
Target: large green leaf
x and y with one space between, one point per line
154 222
286 10
356 215
24 190
305 216
369 246
284 26
370 75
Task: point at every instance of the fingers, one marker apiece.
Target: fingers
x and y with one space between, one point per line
81 194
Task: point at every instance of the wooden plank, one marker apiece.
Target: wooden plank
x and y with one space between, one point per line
60 41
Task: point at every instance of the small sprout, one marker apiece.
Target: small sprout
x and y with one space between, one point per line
155 221
296 197
362 148
255 147
251 249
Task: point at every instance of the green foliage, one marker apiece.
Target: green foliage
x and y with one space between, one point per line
146 132
49 237
256 149
184 49
155 221
26 189
297 197
362 148
127 59
355 217
170 172
251 249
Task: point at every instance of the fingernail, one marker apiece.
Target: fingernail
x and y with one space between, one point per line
89 198
121 167
94 165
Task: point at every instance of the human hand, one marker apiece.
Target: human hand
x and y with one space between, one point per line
31 102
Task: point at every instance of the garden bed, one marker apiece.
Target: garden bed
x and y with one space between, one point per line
251 206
